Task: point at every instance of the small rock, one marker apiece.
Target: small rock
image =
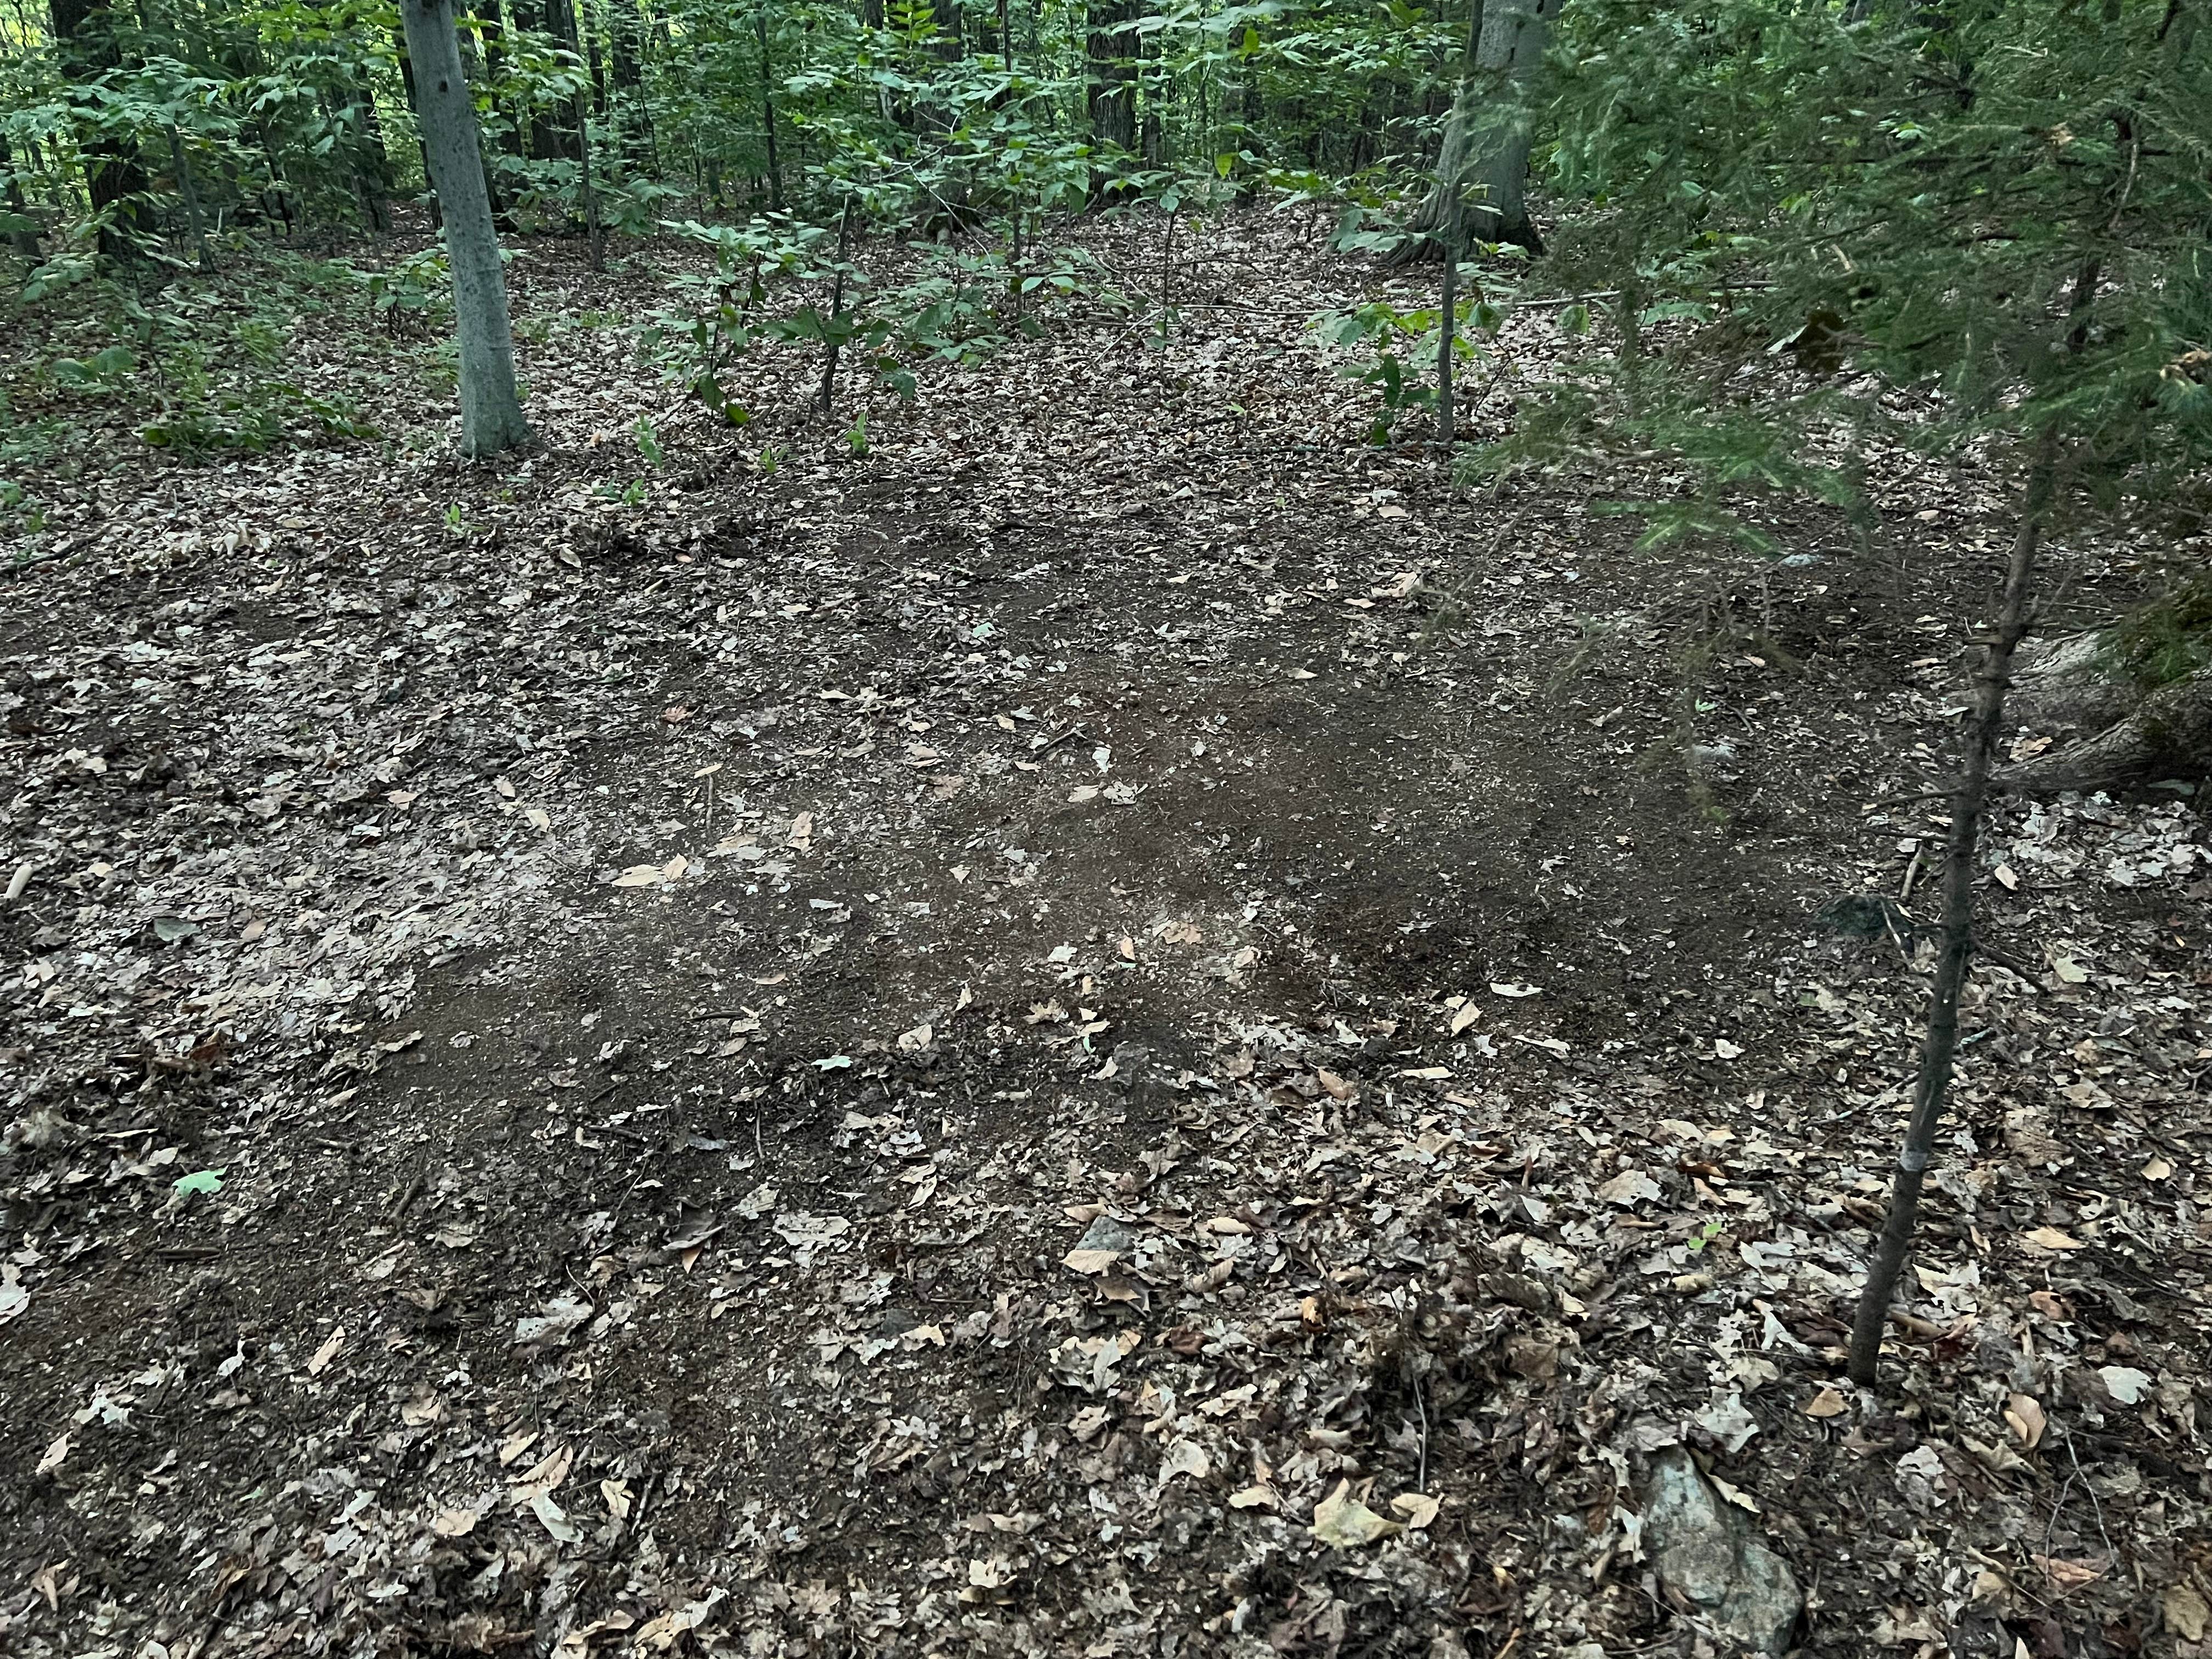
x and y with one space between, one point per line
1108 1233
1708 1552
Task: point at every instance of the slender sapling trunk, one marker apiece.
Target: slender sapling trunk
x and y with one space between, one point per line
1445 412
1985 722
829 336
768 114
186 189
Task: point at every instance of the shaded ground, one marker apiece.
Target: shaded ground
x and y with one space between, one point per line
664 987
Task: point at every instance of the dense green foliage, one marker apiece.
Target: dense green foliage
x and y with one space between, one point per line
1801 228
1946 224
147 123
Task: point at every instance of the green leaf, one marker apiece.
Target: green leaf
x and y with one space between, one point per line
202 1181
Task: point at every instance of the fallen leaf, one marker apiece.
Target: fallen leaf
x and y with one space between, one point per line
1261 1497
14 1298
2070 1575
1828 1402
2024 1417
542 1477
550 1514
327 1352
557 1319
1091 1262
1185 1457
1343 1522
2051 1305
1417 1509
1629 1189
2186 1613
1516 989
455 1523
1469 1013
2049 1238
54 1454
1735 1495
2124 1383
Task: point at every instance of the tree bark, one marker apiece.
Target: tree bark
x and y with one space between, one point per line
114 178
594 235
549 140
1110 83
422 148
1482 171
371 164
1940 1048
2160 734
491 415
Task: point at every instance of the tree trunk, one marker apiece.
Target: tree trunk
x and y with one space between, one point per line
422 148
372 164
1154 78
587 30
549 139
114 179
1109 91
491 415
1482 171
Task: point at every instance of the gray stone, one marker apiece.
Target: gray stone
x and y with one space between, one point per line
1107 1234
1709 1553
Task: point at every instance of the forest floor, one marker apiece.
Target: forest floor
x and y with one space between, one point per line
926 1052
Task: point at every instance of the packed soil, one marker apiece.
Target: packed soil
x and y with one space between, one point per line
781 1050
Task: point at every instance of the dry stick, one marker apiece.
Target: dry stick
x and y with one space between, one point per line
1936 1054
1445 330
836 310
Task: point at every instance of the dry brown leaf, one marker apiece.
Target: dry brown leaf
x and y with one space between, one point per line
1342 1520
2024 1417
1417 1510
1828 1402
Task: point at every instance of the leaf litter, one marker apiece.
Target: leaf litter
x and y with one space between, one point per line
965 1057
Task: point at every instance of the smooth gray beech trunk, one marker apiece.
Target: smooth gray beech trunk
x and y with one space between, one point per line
1482 171
491 417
